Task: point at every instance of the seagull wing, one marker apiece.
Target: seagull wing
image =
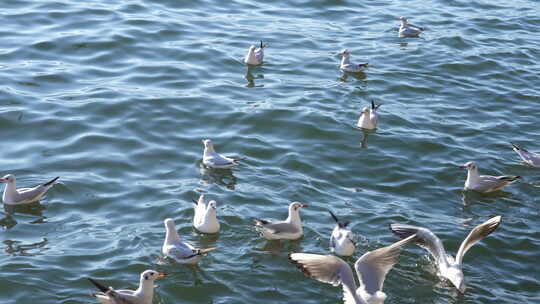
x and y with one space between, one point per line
476 235
424 238
328 269
530 158
200 210
373 266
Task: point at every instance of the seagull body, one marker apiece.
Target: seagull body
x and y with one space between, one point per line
371 270
213 159
143 295
485 183
205 218
369 117
347 66
255 55
449 267
181 252
530 158
407 29
342 239
289 229
14 196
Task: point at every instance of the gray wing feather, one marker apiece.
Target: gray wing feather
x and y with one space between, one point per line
476 235
281 227
373 266
425 239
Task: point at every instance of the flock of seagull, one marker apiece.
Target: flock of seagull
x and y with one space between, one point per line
371 268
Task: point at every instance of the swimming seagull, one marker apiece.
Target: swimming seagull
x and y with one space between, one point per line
450 268
205 218
289 229
143 295
530 158
255 55
213 159
342 239
371 270
347 66
14 196
407 29
485 183
181 252
368 118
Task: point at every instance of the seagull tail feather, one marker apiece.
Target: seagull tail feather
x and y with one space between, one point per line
51 182
98 285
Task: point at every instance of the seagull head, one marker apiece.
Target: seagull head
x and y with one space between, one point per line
9 178
152 275
169 224
469 166
455 276
295 206
403 19
208 145
212 204
366 110
344 53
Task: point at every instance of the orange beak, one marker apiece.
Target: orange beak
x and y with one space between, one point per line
161 275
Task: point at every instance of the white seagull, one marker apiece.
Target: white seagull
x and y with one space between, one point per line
143 295
179 251
289 229
213 159
485 183
255 55
449 268
530 158
342 239
347 66
205 218
407 29
368 118
371 269
14 196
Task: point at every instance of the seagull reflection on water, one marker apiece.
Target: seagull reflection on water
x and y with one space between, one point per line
251 79
223 177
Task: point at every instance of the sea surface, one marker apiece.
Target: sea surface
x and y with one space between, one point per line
115 97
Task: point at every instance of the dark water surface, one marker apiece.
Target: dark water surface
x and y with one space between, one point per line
115 97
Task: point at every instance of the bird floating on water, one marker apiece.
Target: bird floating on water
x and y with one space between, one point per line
530 158
347 66
289 229
142 295
407 29
371 270
368 118
342 239
14 196
255 55
213 159
179 251
449 267
205 217
485 183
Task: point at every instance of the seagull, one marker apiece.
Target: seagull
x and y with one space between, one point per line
407 29
205 219
180 251
14 196
255 55
342 239
530 158
347 66
369 117
289 229
371 270
213 159
485 183
143 294
450 268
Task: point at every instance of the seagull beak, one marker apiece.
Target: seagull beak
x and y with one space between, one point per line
304 206
463 167
161 275
3 179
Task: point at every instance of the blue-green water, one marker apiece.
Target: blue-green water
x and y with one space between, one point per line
115 97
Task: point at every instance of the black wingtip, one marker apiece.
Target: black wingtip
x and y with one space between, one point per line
334 216
195 201
52 181
518 147
262 44
373 105
98 285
